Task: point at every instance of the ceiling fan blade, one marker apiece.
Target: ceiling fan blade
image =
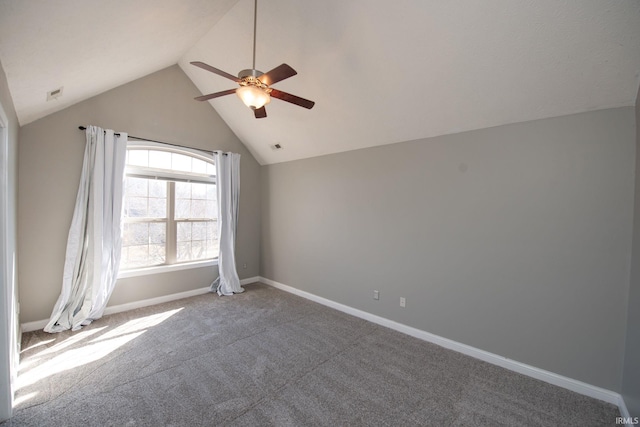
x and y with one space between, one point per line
278 74
292 98
214 95
260 113
215 70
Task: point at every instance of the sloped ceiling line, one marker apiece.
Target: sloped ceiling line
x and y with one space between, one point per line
380 72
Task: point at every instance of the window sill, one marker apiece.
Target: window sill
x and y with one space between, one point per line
166 268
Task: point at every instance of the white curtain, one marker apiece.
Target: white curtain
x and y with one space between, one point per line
228 186
93 246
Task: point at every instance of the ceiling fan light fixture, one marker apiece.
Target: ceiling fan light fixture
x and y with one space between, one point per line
253 96
255 91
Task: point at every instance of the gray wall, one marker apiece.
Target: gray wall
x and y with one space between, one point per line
8 286
631 373
159 106
514 239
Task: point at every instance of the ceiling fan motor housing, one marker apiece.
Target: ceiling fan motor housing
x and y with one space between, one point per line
249 73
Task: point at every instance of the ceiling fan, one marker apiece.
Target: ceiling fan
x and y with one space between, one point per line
255 86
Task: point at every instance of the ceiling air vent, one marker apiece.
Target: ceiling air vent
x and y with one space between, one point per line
54 93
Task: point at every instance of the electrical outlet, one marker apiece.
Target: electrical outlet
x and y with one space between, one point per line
403 302
376 295
244 265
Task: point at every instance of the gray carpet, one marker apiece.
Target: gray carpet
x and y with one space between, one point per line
266 357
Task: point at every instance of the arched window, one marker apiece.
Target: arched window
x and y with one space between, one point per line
170 206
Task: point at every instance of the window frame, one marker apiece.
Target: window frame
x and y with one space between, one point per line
171 178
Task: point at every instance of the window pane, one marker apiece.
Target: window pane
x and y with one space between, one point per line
184 251
138 157
143 244
159 159
136 186
157 208
157 188
184 232
195 201
156 254
157 232
197 240
180 162
138 255
183 208
135 234
213 243
136 207
145 198
199 231
198 208
183 190
198 191
212 230
211 192
211 210
197 249
212 204
198 166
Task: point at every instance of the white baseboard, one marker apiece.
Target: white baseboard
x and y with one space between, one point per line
513 365
624 412
33 326
40 324
249 280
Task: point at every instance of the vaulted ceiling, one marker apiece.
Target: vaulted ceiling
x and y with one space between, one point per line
380 72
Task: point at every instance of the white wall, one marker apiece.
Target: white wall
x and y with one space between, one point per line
515 239
9 334
159 106
631 373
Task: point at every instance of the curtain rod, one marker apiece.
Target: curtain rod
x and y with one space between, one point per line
151 140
